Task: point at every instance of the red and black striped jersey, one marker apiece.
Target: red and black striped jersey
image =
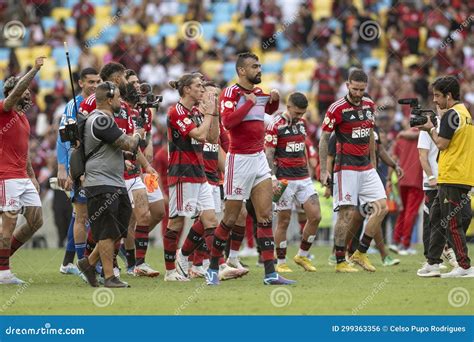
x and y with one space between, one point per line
186 162
352 125
288 139
211 158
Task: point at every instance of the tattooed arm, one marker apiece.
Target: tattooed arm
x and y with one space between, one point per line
270 154
323 155
17 92
127 143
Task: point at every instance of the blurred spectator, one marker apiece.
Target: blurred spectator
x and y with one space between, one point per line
153 72
83 12
325 81
270 16
58 33
88 60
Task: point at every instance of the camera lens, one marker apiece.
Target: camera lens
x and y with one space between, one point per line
418 120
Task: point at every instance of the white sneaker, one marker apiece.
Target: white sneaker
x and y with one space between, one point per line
393 248
226 272
459 272
248 252
182 264
145 270
174 276
69 269
235 263
450 257
403 252
197 272
429 270
412 251
7 277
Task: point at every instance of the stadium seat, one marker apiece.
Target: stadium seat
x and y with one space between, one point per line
4 53
168 29
274 67
183 8
70 3
209 30
46 84
228 71
103 11
49 69
47 23
41 50
131 29
99 2
152 29
61 12
172 41
323 9
109 35
282 43
211 68
303 86
178 19
100 51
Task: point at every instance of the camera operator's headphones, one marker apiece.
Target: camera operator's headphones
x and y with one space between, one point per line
111 89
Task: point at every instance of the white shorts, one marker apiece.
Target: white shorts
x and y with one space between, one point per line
297 192
216 194
189 199
154 196
18 193
131 185
243 172
357 188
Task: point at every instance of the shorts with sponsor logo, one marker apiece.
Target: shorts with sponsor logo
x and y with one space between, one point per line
357 188
296 193
243 172
131 185
189 199
18 193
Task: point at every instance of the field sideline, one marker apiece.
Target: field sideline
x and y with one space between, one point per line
389 291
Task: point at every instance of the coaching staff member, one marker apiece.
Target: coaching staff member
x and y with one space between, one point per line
451 212
108 204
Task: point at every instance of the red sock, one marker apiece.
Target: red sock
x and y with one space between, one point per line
141 243
208 239
267 245
193 239
221 234
249 231
170 244
221 260
4 259
199 255
305 245
90 244
15 244
236 237
302 225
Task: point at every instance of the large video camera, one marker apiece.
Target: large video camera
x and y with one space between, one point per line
419 116
69 132
146 97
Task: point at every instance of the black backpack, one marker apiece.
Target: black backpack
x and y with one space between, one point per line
77 164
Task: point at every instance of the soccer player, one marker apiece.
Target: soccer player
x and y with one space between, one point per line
285 149
141 220
18 184
76 236
355 178
190 193
247 175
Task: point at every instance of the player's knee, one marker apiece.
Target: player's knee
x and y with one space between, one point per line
382 209
314 218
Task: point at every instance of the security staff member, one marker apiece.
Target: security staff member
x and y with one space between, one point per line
108 204
450 212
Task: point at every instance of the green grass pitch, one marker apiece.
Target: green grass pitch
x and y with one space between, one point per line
389 291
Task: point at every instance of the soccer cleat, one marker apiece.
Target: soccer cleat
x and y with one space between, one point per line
69 269
114 282
428 270
363 261
389 261
304 262
459 272
212 277
227 272
173 275
130 271
403 252
332 260
283 268
7 277
345 267
235 263
197 272
182 264
394 248
450 257
276 279
144 270
88 271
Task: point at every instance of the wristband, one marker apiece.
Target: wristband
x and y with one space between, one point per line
431 177
431 130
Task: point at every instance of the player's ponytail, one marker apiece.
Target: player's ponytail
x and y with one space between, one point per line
184 81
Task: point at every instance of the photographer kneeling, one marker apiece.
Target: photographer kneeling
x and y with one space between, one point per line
450 213
108 204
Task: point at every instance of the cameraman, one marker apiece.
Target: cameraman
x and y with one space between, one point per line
108 204
451 210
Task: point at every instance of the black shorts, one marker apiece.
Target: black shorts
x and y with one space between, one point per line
109 215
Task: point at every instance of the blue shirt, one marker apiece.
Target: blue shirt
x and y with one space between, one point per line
63 149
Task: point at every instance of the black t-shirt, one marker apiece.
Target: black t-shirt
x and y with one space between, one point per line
105 129
448 125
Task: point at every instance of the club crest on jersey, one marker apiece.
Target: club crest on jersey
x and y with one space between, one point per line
360 113
295 130
348 197
302 130
228 104
268 138
370 115
187 121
